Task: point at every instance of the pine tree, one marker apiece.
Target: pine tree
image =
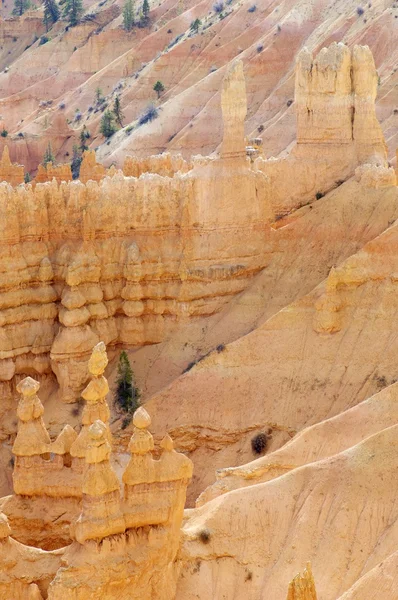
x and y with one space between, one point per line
98 95
84 135
76 162
51 12
77 156
48 156
20 6
117 111
145 11
108 127
73 10
195 25
128 15
159 88
127 395
27 177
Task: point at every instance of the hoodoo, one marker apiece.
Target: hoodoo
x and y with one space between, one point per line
198 300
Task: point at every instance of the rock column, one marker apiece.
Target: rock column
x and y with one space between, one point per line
302 587
234 109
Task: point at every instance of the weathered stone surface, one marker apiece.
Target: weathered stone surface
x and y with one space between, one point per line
130 256
127 258
302 587
126 542
337 128
13 174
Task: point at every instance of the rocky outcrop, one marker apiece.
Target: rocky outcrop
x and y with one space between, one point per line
121 543
126 546
337 128
25 571
48 475
90 169
240 401
302 587
12 173
234 108
50 172
122 259
165 164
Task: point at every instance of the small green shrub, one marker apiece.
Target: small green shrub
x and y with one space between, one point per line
259 443
4 133
150 113
195 25
108 126
205 536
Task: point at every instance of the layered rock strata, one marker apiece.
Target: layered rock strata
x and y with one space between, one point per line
124 537
126 545
122 259
48 475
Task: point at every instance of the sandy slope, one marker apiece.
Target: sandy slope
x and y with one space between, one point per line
284 374
314 443
69 68
380 582
340 513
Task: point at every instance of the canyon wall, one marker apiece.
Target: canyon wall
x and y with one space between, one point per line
121 259
124 256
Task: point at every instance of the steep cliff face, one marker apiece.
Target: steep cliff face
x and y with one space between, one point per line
337 128
93 268
173 258
168 246
122 259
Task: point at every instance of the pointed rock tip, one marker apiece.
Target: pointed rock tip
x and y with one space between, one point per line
97 430
167 443
141 418
28 386
98 360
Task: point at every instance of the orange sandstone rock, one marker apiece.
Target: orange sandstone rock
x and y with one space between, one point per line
302 587
13 174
